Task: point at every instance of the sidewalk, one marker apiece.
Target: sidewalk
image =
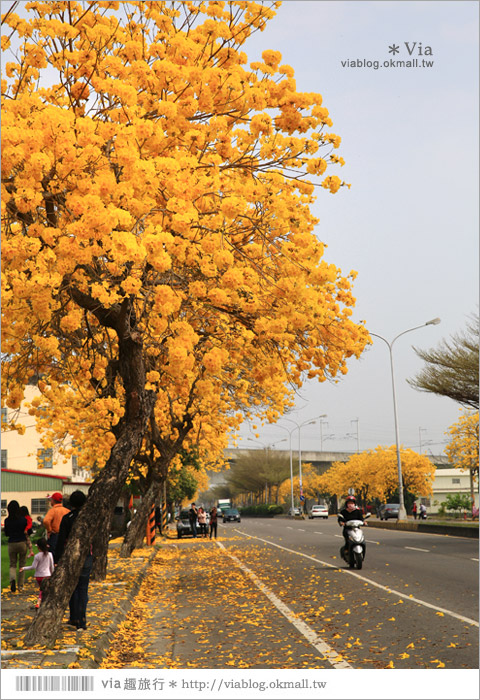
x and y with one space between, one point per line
105 611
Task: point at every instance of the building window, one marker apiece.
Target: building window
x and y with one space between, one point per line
455 481
45 458
425 501
4 459
39 506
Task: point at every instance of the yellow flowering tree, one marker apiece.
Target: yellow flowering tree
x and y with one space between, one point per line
157 241
373 474
462 450
312 485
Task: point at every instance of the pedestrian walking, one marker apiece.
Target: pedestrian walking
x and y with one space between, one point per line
192 516
42 564
79 599
27 516
213 521
53 519
202 521
414 510
14 528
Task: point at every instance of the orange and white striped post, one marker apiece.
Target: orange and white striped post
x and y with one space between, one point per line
151 527
164 517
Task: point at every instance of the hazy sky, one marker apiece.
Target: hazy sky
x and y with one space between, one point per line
409 223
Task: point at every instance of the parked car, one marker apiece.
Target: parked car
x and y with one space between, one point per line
231 514
388 510
318 511
183 524
295 511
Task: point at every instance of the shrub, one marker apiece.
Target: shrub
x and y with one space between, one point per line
263 510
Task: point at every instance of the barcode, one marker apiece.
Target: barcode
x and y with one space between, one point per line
50 683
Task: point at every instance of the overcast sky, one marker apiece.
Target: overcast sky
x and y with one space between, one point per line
409 223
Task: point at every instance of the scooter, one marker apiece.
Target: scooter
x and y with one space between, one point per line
354 554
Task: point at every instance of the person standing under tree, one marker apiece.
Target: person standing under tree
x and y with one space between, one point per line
213 521
192 516
202 521
414 510
79 599
14 528
53 519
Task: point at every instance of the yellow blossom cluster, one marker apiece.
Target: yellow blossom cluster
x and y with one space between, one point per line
158 170
462 449
374 474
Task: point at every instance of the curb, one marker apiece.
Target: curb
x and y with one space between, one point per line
102 643
454 530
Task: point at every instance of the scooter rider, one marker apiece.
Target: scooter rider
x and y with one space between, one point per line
350 512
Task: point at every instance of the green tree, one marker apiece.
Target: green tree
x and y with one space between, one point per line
457 501
258 472
451 369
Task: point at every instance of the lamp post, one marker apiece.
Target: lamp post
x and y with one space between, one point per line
267 448
300 482
322 423
291 464
402 513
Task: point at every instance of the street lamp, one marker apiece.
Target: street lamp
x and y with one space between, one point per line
402 513
291 464
299 425
322 423
267 448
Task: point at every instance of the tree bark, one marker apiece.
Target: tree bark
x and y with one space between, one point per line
103 494
100 550
139 522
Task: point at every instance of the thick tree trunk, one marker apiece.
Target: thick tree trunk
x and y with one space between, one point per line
138 524
100 550
103 494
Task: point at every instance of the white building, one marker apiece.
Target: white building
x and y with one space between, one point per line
31 472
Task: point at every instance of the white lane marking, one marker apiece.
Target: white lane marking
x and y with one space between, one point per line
318 533
300 530
333 657
368 580
289 528
417 549
341 536
473 559
372 541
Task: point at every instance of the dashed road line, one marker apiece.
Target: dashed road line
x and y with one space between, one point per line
333 657
405 598
417 549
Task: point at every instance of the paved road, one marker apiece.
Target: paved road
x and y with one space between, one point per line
439 569
275 594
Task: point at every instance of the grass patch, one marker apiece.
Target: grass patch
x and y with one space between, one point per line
6 566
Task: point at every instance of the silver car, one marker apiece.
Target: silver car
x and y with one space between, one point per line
389 510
